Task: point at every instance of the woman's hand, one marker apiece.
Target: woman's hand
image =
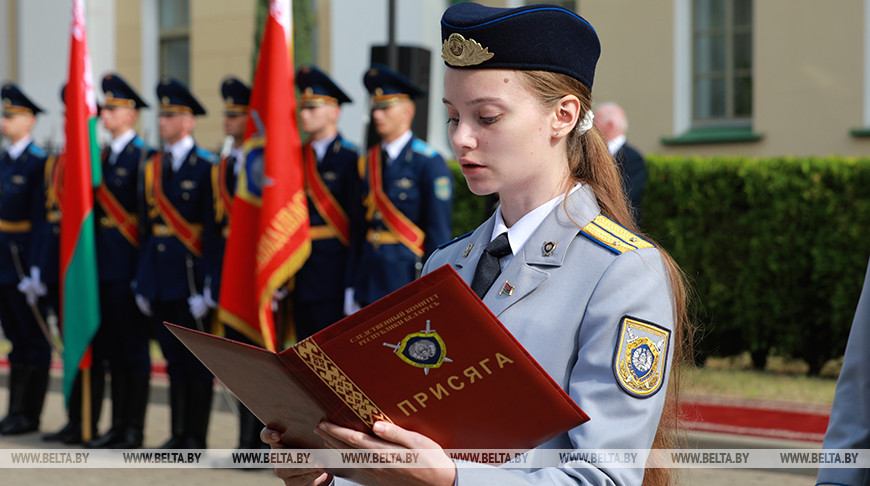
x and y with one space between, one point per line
438 468
294 476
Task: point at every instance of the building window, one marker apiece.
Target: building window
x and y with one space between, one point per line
721 63
174 26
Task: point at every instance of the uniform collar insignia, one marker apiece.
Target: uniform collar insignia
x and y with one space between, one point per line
548 248
506 289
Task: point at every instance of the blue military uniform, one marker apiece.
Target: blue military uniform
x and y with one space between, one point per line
319 289
178 230
22 208
123 337
417 183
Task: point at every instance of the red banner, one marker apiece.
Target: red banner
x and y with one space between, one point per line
269 230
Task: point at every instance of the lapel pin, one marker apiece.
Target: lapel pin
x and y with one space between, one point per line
467 250
549 247
507 289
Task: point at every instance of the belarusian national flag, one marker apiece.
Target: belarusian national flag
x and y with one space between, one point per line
79 290
269 231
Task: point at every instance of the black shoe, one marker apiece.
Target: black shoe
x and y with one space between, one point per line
71 433
107 440
19 424
132 438
175 442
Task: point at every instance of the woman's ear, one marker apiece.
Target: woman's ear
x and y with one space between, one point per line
566 116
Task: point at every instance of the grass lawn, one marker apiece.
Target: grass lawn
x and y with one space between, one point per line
782 380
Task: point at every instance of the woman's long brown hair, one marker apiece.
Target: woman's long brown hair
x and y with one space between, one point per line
591 163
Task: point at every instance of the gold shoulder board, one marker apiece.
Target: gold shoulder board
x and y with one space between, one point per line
612 236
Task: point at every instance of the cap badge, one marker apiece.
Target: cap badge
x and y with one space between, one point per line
459 51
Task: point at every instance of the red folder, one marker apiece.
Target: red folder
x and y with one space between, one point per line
429 357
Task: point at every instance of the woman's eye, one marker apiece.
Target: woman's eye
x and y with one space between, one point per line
452 120
489 120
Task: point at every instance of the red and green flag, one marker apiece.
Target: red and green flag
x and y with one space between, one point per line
269 229
79 284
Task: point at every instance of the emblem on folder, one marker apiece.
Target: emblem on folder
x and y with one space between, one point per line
640 358
424 349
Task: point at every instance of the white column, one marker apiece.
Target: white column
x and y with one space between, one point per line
150 56
683 66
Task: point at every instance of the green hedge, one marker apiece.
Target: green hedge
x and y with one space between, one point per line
775 249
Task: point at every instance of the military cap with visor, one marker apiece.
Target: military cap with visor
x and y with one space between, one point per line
318 89
236 95
387 87
119 93
15 102
176 99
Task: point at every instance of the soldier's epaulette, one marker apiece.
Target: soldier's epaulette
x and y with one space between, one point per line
610 235
36 151
349 145
205 154
138 142
424 148
454 240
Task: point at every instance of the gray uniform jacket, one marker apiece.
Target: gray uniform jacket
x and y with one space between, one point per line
571 295
849 426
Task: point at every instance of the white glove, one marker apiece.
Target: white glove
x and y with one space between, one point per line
209 301
350 305
143 304
25 286
280 293
198 307
39 287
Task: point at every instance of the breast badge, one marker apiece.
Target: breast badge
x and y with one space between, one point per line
641 356
424 349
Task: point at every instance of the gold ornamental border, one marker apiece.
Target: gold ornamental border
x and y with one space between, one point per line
333 376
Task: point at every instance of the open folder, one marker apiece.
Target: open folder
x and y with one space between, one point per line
430 357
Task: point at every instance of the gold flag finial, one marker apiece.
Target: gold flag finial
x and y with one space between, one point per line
459 51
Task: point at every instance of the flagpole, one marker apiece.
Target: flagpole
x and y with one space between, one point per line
86 404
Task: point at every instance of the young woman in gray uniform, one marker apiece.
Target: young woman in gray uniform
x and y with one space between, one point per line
601 308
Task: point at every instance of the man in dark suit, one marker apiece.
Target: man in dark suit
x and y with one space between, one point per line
611 121
330 164
22 210
179 230
122 338
407 192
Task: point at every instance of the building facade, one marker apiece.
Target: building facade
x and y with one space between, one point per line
729 77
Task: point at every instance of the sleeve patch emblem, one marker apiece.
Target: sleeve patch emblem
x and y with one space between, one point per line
641 357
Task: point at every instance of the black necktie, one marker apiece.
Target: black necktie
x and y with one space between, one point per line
488 266
167 168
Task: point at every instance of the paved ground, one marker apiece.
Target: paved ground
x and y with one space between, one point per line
223 434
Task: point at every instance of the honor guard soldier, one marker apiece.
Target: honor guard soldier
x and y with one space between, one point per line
22 207
407 192
122 339
47 250
330 165
179 229
225 173
236 95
